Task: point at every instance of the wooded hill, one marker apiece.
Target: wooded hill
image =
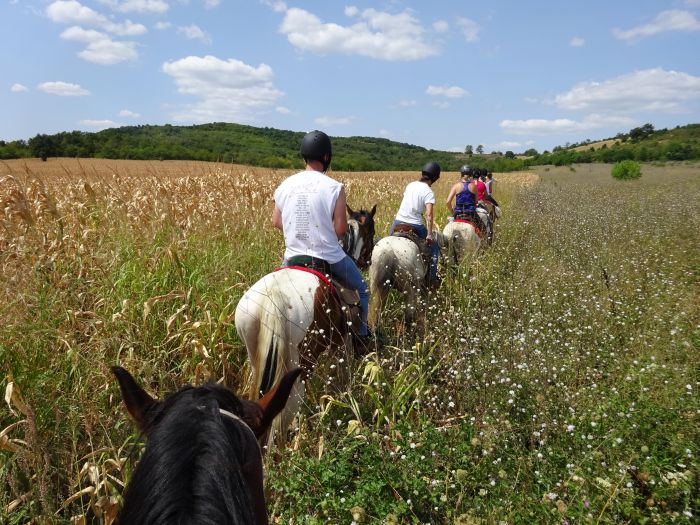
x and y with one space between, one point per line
236 143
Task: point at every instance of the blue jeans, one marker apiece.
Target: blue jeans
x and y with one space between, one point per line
346 272
422 232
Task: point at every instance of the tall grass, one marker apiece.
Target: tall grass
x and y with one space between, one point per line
554 378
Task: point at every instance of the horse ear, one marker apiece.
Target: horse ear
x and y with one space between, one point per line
350 212
373 210
135 398
274 400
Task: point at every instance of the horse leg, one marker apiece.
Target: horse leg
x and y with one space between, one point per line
376 305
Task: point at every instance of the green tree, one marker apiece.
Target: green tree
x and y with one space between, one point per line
627 169
44 146
532 152
468 150
642 132
480 150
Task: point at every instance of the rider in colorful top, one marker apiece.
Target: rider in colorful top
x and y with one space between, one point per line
465 195
310 210
481 191
419 199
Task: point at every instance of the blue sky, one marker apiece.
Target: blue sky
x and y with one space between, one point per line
508 75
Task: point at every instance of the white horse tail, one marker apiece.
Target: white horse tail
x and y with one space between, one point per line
271 346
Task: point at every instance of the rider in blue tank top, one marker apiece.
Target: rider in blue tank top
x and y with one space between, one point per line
465 203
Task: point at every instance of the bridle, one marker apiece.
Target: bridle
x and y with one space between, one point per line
237 419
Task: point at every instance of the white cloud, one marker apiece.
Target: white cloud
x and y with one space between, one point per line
441 104
563 125
577 41
506 145
160 26
211 4
384 133
18 88
73 12
101 49
282 110
63 89
407 103
98 124
137 6
128 28
441 26
128 114
447 91
646 90
469 28
228 90
672 20
379 35
351 10
194 32
333 121
276 5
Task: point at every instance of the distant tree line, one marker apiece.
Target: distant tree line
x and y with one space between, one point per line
235 143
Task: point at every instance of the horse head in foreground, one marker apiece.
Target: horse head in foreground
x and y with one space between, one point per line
202 462
289 317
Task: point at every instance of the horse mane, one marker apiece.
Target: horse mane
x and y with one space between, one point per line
190 472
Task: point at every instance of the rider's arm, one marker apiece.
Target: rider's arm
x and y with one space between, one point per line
429 219
277 218
451 196
340 220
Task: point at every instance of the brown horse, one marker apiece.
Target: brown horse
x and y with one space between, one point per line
202 462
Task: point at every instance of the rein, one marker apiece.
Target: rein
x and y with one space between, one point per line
233 416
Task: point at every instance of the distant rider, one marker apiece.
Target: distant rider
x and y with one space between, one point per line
465 195
310 211
419 199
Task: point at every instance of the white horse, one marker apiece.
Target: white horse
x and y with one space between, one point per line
289 317
397 263
286 320
462 240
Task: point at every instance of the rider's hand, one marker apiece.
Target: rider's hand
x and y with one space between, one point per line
429 238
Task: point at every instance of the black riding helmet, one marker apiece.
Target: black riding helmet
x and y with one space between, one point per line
466 169
316 145
431 170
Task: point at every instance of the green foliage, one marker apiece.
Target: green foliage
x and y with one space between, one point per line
627 169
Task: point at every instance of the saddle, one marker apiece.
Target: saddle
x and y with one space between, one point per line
349 299
470 220
409 232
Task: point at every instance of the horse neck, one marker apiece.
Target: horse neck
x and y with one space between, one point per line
190 470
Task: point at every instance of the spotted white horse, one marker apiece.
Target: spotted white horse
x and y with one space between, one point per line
397 263
288 318
464 238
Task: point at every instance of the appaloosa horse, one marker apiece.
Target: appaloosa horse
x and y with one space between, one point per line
463 239
398 262
290 316
202 462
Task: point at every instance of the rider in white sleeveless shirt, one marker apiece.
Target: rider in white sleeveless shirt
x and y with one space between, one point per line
310 211
307 201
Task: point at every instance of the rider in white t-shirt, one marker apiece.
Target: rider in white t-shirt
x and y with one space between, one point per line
310 209
419 199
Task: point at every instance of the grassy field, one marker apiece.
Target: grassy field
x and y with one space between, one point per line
554 380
